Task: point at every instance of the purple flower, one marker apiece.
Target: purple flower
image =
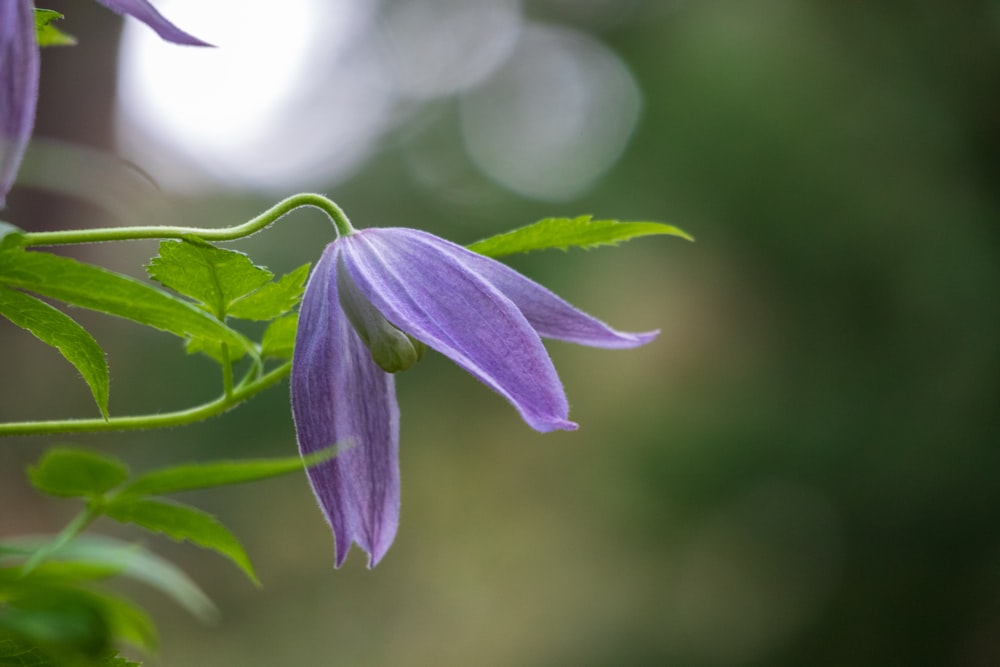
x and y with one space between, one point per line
375 297
19 64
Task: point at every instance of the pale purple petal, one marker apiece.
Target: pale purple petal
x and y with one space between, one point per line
19 62
146 13
413 279
550 315
340 396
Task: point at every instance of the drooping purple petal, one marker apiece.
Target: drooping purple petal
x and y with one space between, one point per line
19 63
412 278
340 396
146 13
549 314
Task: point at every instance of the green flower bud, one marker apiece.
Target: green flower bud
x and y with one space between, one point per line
392 350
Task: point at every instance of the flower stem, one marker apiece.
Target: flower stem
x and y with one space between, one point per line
225 402
253 226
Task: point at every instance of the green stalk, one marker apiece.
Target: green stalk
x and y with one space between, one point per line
253 226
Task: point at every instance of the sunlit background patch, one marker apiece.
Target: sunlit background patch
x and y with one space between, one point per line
300 94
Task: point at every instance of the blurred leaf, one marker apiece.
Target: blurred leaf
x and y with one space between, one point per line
10 236
213 276
127 621
565 233
219 473
98 553
95 288
66 625
48 34
273 299
181 522
73 472
279 337
63 333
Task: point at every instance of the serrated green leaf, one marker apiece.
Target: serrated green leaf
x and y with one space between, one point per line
181 522
10 236
63 333
48 34
565 233
279 337
73 472
193 476
95 288
273 299
210 275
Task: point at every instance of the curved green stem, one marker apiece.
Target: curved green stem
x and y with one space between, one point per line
253 226
225 402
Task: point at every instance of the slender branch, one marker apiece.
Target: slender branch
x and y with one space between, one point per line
253 226
165 420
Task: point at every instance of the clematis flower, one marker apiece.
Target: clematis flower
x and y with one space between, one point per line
375 297
19 70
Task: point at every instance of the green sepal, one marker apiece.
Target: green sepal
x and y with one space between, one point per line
69 472
279 337
89 286
47 33
62 332
565 233
181 522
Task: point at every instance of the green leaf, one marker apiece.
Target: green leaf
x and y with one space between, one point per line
181 522
213 349
95 288
220 473
273 299
565 233
127 621
93 554
10 236
73 472
63 333
279 337
210 275
48 34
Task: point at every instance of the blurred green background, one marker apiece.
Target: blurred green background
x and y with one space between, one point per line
801 470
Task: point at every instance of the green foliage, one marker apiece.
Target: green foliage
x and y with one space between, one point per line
90 557
51 609
226 282
220 473
47 33
73 473
211 276
273 299
181 522
92 287
62 332
279 337
565 233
